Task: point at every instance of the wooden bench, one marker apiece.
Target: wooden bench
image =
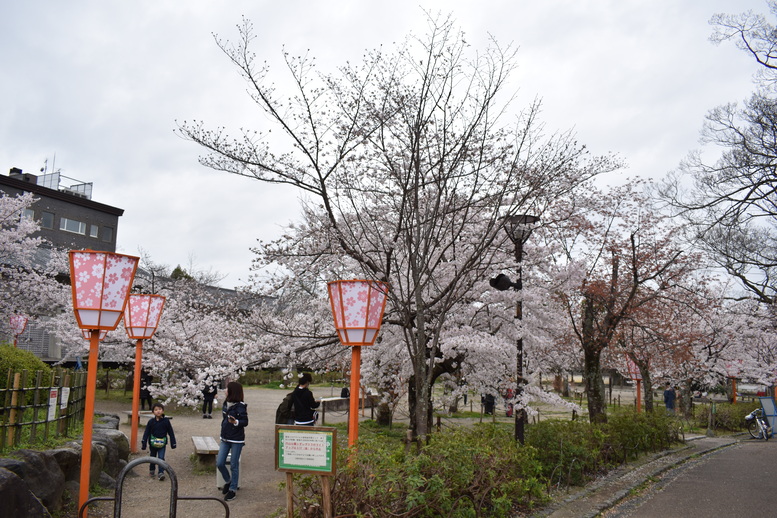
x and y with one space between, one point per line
147 414
206 449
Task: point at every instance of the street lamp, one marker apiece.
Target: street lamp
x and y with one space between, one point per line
141 318
100 283
18 324
518 228
357 308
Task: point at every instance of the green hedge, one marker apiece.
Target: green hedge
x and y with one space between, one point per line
477 471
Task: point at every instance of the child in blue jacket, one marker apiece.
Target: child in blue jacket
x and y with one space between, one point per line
157 431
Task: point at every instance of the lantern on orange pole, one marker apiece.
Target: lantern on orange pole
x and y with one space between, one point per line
141 317
100 283
357 308
18 325
636 375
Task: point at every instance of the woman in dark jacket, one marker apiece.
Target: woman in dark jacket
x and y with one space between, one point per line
304 402
233 436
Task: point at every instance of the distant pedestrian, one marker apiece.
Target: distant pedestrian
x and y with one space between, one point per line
156 435
208 395
145 396
233 436
304 402
669 399
489 402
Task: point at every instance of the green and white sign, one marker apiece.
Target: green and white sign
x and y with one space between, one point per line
305 449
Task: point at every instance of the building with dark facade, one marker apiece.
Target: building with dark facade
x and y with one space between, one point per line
68 219
67 215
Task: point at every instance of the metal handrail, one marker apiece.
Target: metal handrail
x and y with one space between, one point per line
174 498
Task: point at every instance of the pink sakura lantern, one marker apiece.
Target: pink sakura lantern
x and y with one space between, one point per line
100 283
357 307
18 325
141 317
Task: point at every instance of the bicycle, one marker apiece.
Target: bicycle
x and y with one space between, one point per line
757 425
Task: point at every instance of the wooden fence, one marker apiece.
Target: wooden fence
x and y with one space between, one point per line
52 405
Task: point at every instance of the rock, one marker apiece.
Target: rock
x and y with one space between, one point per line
119 438
106 422
107 481
109 452
17 498
69 460
43 477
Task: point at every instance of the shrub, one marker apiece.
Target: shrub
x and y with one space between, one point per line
481 471
18 360
569 451
635 433
728 417
459 473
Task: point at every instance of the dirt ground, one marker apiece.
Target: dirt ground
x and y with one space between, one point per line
258 496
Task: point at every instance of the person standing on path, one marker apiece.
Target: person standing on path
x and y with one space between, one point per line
208 395
145 396
158 429
233 436
304 402
669 398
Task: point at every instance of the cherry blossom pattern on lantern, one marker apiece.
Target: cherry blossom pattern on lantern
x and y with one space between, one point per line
141 315
358 308
18 324
101 283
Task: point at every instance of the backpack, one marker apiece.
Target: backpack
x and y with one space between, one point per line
285 412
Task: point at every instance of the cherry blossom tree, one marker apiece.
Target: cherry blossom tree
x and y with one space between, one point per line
409 162
30 268
620 260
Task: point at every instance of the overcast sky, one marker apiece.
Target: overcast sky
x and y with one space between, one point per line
99 85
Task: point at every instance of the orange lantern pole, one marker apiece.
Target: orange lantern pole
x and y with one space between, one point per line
357 308
100 283
141 318
18 324
636 375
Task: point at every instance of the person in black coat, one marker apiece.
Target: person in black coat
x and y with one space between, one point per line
145 396
233 436
208 395
156 435
304 402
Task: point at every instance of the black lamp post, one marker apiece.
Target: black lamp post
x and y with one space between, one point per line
518 228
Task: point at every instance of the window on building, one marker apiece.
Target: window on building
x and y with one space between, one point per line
71 225
107 234
93 230
46 220
28 214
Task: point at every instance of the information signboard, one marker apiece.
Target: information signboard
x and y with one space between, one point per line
306 449
53 395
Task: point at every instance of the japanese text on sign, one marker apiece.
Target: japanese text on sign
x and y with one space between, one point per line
305 449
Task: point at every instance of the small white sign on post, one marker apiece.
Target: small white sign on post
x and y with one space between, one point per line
53 393
65 397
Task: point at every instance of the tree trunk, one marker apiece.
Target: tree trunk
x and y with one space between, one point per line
687 396
594 384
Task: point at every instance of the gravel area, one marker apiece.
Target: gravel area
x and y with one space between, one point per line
258 496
